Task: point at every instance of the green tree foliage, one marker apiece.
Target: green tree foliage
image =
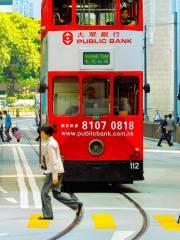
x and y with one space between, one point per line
19 51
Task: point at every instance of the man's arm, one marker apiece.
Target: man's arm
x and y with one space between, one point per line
133 23
53 161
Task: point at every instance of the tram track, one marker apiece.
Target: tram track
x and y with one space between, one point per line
77 218
145 224
35 150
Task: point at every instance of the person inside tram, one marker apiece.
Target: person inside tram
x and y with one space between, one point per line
125 19
124 107
58 19
90 102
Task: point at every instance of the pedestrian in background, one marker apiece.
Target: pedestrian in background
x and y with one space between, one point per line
55 170
38 126
8 125
157 117
171 125
1 126
17 133
163 130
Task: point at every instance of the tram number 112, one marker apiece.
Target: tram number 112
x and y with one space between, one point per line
134 165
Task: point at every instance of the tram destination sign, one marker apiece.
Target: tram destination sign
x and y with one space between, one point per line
96 58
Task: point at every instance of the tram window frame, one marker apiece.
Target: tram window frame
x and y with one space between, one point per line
95 104
124 105
59 14
71 110
131 8
108 20
116 24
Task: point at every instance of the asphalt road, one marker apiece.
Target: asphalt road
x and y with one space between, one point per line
21 181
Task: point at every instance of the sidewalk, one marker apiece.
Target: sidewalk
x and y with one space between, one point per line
152 143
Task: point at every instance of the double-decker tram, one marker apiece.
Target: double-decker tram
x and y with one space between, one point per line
92 65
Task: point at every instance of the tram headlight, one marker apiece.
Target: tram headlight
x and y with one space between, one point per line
96 147
135 153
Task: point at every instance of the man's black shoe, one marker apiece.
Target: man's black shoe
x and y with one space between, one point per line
43 218
79 208
159 145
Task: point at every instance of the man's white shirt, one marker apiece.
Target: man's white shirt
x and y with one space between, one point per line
53 158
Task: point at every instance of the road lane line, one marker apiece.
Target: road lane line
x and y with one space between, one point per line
21 181
4 234
32 181
3 190
18 145
12 200
122 235
176 210
161 151
24 175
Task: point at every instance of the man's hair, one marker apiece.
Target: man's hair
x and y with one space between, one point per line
4 111
165 116
48 129
124 9
90 89
170 115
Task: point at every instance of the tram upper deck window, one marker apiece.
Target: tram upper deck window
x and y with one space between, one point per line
66 96
96 12
62 12
96 96
126 96
129 12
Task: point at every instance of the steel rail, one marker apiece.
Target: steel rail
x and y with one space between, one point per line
72 225
77 218
144 215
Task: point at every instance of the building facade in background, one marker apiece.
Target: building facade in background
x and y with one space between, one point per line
6 5
163 66
176 10
29 8
160 50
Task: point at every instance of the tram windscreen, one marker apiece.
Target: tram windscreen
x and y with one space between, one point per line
96 92
96 12
126 95
66 96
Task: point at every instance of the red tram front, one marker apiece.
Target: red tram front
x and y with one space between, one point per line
92 64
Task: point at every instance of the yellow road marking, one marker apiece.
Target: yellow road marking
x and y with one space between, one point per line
103 221
168 222
34 222
146 146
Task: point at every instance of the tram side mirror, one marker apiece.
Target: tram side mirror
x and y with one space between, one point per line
42 88
147 88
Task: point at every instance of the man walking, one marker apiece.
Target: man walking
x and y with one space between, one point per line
8 125
1 127
54 166
171 125
163 132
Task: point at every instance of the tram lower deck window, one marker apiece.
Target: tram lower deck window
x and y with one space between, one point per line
66 96
126 96
96 96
